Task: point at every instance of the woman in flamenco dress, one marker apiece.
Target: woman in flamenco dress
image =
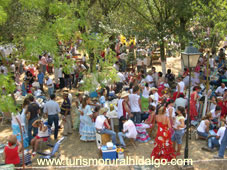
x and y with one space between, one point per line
193 102
163 145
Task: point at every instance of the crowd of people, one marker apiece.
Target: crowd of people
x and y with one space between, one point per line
146 100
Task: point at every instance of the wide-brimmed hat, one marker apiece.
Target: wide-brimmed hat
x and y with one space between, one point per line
153 88
124 94
152 97
103 110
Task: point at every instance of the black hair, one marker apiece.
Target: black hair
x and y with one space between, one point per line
52 96
196 88
131 85
122 118
182 110
217 108
146 85
151 107
97 108
102 92
181 95
170 101
31 98
135 89
169 71
160 74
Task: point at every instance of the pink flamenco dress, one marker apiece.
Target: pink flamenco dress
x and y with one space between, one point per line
163 145
193 110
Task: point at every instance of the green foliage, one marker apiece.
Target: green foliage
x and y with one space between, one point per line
209 15
6 101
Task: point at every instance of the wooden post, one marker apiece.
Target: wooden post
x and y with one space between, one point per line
22 142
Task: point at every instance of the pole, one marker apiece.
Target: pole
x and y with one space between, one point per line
188 115
207 88
22 143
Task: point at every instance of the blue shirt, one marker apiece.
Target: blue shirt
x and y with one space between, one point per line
40 78
51 108
102 100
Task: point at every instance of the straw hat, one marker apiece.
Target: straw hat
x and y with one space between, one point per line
124 94
153 88
103 110
152 97
65 89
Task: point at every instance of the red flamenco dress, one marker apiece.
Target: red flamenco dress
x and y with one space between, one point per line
193 110
163 145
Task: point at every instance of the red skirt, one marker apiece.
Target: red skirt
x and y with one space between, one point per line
44 138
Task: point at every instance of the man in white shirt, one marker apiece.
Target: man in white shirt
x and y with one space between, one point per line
52 108
50 85
220 90
216 114
102 125
155 76
121 77
216 141
135 105
61 78
149 79
120 83
129 131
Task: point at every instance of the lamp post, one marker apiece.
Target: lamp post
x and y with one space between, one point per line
190 59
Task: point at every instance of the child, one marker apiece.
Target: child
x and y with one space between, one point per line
102 99
178 129
11 152
88 130
41 136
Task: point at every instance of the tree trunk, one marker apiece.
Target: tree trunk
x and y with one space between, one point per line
181 37
183 31
91 59
162 54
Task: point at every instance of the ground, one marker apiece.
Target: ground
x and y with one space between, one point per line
73 148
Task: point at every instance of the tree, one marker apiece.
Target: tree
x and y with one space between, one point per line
209 22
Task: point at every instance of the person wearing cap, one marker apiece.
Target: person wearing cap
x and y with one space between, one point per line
70 97
102 125
152 100
50 85
123 108
66 112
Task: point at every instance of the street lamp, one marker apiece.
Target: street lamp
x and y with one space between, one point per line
190 59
